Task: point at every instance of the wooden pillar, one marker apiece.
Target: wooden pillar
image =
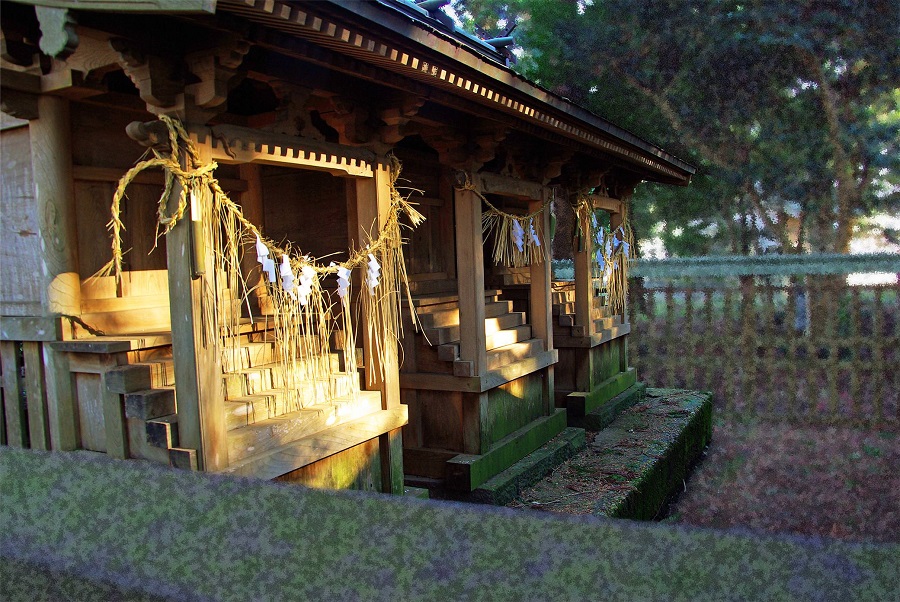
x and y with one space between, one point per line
198 369
584 285
541 304
373 203
470 274
51 161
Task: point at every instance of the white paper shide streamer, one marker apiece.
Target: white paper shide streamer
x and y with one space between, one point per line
373 273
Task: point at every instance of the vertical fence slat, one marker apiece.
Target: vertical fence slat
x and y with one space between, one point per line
709 340
790 349
878 354
690 341
729 351
667 336
16 420
855 342
36 396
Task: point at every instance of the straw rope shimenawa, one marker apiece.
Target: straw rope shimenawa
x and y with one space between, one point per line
304 313
517 238
611 251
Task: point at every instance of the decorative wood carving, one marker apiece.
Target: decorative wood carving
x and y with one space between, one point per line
157 79
58 37
292 117
553 165
349 119
451 145
486 143
395 119
218 71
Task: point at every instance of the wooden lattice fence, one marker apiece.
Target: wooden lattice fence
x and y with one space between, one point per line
783 338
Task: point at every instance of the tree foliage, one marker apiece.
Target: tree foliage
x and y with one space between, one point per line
790 110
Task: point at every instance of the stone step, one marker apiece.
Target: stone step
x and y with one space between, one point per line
150 403
248 409
450 317
502 356
266 435
139 376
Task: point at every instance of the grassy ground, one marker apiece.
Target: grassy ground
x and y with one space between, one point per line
80 527
775 478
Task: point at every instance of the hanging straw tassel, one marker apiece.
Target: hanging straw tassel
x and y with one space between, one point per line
303 319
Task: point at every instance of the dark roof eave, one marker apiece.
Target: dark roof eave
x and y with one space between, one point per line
503 74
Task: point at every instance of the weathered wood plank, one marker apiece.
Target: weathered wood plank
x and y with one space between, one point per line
114 425
16 420
90 411
541 278
29 328
61 401
36 395
479 384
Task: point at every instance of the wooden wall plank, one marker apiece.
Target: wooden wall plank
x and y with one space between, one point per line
114 425
16 420
61 401
36 395
90 411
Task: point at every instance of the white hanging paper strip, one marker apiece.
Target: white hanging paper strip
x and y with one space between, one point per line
518 235
269 268
533 234
601 263
262 251
372 274
601 234
343 278
287 276
307 273
625 248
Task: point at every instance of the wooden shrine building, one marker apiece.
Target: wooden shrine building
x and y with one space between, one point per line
306 109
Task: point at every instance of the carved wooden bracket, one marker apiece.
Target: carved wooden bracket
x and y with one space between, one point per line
218 71
292 117
349 119
451 145
553 166
486 144
157 79
395 119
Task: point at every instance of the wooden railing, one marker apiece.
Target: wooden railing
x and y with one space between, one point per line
783 338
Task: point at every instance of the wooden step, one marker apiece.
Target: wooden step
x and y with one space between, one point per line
450 351
150 403
501 356
163 431
247 356
423 302
269 434
319 444
256 379
450 334
564 308
604 323
248 409
450 317
139 376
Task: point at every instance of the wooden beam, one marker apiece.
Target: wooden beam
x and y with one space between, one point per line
30 328
470 272
607 204
506 186
61 407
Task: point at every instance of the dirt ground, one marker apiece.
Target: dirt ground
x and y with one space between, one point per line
758 477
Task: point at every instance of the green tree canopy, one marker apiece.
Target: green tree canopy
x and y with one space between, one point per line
791 110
